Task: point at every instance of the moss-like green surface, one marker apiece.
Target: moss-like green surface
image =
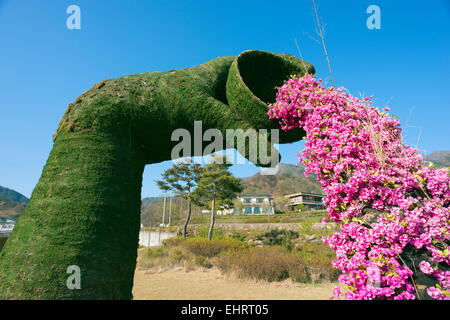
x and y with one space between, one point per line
85 208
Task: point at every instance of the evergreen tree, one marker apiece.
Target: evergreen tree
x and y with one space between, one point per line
217 184
182 178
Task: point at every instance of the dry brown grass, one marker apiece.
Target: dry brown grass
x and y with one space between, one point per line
210 248
269 263
306 263
211 284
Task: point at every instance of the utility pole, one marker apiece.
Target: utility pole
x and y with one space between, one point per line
269 213
163 218
164 209
170 209
149 235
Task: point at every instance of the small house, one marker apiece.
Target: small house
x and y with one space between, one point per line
256 204
309 201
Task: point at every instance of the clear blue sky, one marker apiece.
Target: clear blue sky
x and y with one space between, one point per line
44 66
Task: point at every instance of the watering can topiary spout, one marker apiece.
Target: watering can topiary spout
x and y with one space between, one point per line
84 211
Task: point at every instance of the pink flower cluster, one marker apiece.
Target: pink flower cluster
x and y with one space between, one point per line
356 151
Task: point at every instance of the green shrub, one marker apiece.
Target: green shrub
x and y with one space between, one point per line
312 253
173 242
177 256
238 236
210 248
278 237
300 273
203 262
307 227
157 252
308 263
154 257
267 263
203 231
227 260
317 258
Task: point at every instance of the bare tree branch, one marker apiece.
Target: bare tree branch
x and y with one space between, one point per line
322 37
300 53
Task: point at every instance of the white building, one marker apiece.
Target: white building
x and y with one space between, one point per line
251 204
256 204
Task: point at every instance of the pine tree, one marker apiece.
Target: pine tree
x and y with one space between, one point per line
217 184
182 178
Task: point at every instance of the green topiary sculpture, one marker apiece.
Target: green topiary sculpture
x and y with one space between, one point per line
85 208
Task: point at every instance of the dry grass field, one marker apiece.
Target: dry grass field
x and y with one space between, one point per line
210 284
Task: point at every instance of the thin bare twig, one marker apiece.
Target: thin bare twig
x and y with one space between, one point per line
322 37
301 56
312 38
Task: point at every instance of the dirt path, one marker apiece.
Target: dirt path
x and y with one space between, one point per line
177 284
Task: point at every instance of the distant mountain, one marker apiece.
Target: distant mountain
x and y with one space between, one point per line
146 202
8 195
289 179
12 203
440 159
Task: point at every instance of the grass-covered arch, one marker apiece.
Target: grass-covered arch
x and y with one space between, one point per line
84 211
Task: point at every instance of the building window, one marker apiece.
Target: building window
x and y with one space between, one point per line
259 200
247 200
257 210
248 210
